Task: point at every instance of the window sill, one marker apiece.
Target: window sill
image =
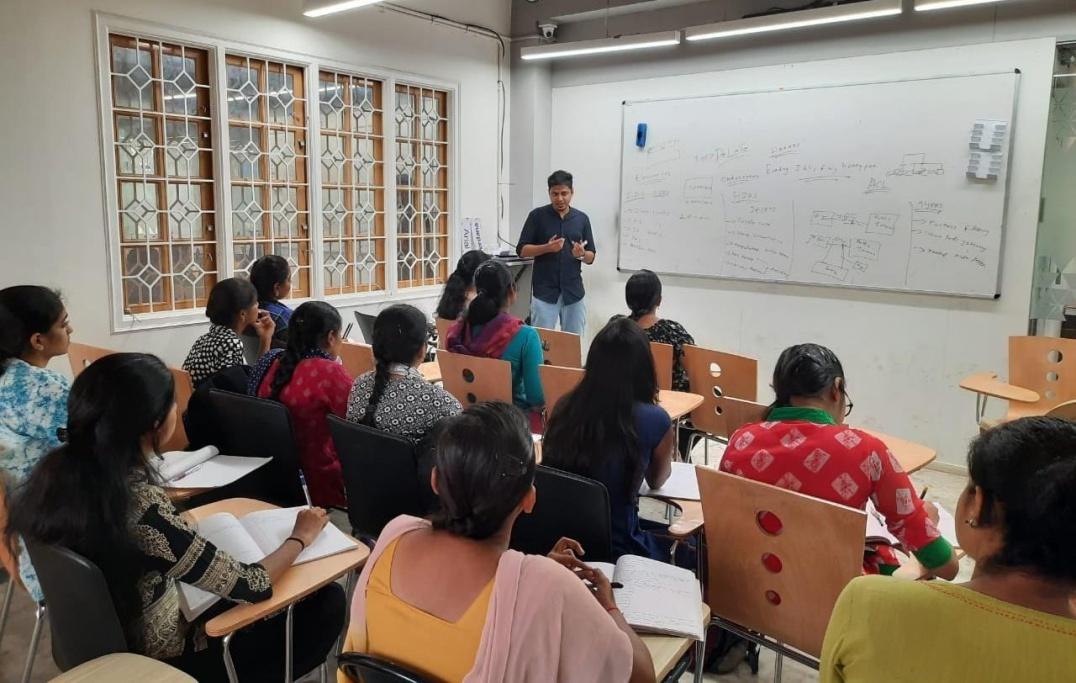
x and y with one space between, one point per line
158 321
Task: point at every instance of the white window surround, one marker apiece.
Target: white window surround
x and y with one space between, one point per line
218 47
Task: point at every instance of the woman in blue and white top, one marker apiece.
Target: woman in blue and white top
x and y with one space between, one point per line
34 329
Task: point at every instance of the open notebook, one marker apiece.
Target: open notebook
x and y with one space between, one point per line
203 468
656 597
877 531
252 537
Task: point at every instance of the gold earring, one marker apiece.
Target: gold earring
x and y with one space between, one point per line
971 522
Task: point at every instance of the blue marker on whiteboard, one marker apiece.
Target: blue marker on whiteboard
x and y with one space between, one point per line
640 136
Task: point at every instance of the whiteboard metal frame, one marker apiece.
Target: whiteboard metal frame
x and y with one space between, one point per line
625 104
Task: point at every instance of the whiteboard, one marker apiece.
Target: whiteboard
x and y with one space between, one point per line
860 185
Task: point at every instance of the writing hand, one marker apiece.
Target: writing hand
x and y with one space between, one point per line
579 249
600 587
566 552
554 245
309 523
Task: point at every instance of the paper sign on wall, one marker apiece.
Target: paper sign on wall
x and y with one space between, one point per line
987 149
471 231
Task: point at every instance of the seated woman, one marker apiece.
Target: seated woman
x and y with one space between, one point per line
490 331
395 397
96 495
231 309
643 294
271 276
34 329
610 428
308 380
459 290
804 446
1015 620
498 615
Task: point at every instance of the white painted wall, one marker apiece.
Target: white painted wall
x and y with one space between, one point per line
52 226
904 354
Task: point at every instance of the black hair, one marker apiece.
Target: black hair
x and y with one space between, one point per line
596 420
493 283
642 293
80 495
399 335
454 295
267 272
485 466
25 310
1027 472
804 370
559 178
308 331
228 299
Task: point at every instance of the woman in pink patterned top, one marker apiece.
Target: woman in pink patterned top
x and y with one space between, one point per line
804 446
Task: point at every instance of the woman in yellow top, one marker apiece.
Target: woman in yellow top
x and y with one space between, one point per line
448 599
1016 619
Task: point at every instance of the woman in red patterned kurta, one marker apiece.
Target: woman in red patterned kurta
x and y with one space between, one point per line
308 380
804 446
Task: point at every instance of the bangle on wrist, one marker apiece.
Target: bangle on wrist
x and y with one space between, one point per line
302 545
612 609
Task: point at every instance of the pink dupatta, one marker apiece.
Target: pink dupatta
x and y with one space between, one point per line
542 624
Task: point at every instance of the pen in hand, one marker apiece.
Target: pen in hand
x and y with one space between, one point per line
306 491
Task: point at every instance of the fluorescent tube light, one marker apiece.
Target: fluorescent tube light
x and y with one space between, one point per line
592 47
926 5
319 8
789 20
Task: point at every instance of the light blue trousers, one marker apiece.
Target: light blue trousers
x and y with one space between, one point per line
573 318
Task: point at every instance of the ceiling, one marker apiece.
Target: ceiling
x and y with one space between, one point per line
494 14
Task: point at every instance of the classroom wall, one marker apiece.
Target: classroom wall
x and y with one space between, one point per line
50 176
1057 232
904 353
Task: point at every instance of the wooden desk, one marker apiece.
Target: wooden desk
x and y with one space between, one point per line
987 383
295 584
431 372
911 456
678 404
666 651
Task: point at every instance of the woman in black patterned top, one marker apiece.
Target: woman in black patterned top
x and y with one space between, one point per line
643 294
395 397
98 495
231 309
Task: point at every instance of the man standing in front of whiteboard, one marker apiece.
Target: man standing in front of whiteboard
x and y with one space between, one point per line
559 239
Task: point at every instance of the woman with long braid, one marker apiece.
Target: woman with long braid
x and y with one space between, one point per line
395 397
308 380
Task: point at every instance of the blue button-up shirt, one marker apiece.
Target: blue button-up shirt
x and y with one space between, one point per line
559 274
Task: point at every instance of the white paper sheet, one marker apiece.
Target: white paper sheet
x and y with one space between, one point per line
681 484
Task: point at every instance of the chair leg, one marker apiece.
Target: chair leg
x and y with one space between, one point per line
29 668
777 666
706 450
323 672
9 593
700 657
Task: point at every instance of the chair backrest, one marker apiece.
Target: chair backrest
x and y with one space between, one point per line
663 364
568 505
81 355
358 359
380 476
561 348
1046 365
472 379
364 668
739 412
258 427
8 560
184 391
784 583
82 617
443 325
1066 410
716 375
366 326
556 382
252 348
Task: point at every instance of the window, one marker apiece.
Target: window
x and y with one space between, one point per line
160 117
219 156
267 139
421 186
352 183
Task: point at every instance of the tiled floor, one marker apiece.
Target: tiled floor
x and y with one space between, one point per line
944 488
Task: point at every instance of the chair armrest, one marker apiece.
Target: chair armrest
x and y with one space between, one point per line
987 383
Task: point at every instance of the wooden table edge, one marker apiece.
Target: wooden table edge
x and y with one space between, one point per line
681 647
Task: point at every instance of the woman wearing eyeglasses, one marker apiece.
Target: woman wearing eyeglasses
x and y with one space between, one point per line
804 445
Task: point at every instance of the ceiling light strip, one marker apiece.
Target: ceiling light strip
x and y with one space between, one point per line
321 8
870 9
592 47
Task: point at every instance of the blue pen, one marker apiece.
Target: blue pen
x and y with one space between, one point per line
306 491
